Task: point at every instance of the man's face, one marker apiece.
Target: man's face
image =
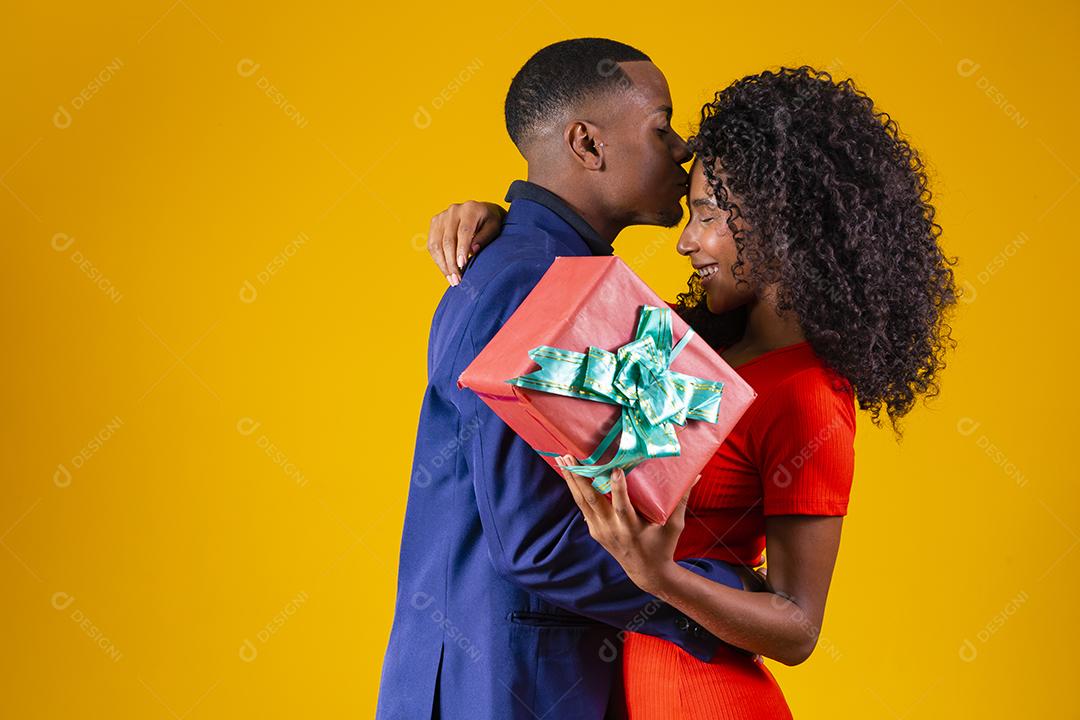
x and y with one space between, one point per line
643 155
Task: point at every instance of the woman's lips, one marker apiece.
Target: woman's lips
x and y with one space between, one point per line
708 272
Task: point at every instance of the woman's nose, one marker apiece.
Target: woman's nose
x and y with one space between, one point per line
687 243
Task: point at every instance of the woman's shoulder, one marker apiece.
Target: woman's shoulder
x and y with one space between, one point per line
816 376
813 392
807 413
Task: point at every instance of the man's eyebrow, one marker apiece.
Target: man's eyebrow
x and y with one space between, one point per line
704 202
666 109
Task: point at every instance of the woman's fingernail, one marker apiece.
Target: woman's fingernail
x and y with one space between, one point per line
461 261
476 247
454 279
449 280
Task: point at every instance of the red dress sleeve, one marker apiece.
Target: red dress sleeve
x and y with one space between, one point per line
805 446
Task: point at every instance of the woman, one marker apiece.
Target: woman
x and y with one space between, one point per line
820 279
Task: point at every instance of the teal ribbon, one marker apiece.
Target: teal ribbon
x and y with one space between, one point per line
637 377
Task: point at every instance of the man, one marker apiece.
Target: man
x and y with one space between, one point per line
506 607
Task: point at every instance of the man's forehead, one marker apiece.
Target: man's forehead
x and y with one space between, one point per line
648 82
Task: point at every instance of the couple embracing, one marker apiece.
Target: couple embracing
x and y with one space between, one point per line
817 274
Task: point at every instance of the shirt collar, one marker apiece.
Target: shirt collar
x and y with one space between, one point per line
525 190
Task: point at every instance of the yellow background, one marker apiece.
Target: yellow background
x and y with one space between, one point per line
215 311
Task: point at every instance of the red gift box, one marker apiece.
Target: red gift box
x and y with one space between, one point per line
584 302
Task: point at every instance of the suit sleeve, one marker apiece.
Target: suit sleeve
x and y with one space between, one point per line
535 533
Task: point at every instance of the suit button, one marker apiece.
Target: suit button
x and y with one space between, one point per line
682 623
699 631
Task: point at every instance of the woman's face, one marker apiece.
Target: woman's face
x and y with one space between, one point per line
707 241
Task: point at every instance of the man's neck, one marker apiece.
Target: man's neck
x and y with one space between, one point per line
607 228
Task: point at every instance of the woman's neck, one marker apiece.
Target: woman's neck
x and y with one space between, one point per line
766 330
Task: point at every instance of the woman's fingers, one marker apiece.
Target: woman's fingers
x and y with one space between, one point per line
489 226
478 225
592 502
569 483
575 487
462 230
449 244
443 240
677 518
466 232
620 499
434 243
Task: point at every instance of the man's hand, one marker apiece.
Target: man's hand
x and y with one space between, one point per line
462 230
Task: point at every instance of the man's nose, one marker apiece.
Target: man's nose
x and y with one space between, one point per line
682 150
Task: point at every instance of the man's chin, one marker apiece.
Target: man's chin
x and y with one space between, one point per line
671 217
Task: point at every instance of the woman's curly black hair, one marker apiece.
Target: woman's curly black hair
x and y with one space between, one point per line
838 215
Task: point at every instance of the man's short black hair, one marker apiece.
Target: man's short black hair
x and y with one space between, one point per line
562 74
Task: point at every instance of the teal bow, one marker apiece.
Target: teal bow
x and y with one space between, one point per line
636 377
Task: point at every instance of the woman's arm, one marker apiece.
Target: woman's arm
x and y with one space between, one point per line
462 230
782 623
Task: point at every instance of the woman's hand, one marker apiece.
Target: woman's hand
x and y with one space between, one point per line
644 549
462 230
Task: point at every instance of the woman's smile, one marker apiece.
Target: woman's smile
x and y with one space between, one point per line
706 272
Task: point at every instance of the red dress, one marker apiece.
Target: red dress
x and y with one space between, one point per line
792 452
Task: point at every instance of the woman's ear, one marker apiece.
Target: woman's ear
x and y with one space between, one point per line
581 138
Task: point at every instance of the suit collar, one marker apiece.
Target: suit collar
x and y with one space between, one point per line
545 208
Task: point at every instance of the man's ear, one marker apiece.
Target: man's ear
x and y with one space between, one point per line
580 137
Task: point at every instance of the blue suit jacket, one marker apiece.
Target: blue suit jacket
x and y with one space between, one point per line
506 607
